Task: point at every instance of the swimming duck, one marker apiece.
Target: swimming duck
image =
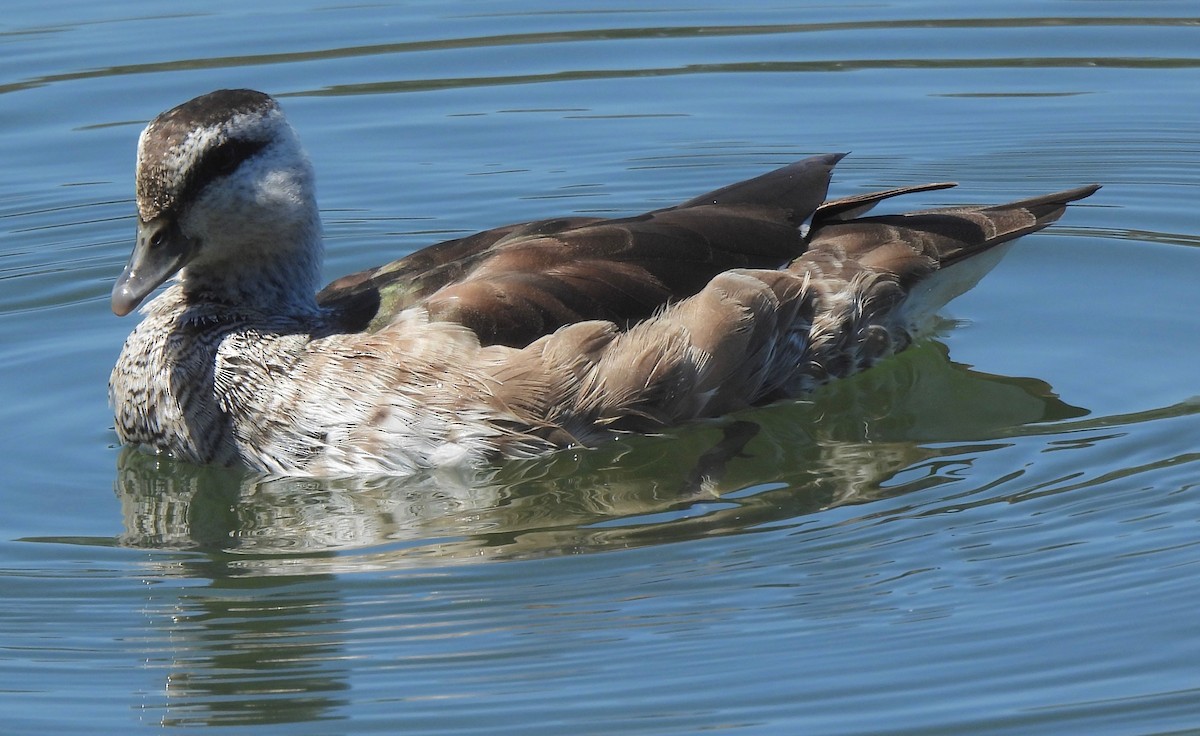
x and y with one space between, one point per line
512 342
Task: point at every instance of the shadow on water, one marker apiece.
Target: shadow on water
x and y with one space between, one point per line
847 446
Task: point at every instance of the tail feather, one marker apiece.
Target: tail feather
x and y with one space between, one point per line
935 255
847 208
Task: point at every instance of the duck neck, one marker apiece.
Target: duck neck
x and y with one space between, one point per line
271 273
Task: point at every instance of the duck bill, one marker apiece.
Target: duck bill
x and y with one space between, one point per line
160 251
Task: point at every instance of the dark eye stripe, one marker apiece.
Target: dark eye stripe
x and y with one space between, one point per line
221 161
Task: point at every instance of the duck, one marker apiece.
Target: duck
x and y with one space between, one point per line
514 342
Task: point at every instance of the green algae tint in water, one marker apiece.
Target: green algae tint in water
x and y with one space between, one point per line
992 533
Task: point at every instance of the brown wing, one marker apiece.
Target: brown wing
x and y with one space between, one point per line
756 335
514 284
367 300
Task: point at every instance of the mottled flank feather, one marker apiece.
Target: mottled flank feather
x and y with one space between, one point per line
512 342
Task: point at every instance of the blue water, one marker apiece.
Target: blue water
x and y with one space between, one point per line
995 532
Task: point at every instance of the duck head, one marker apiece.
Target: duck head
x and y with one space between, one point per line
225 199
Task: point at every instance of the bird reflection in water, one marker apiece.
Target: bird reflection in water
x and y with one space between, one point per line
717 477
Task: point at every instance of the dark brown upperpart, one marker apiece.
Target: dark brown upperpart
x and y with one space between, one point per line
514 284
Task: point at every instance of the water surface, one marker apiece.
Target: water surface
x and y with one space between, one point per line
994 532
